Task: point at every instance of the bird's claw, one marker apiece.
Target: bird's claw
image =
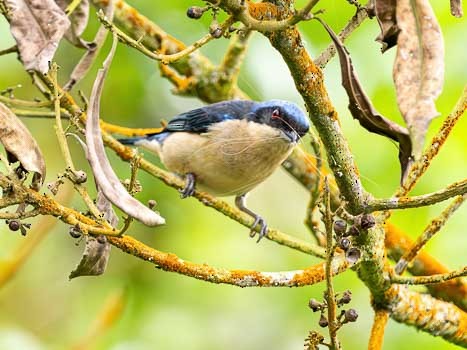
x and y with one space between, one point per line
263 228
189 188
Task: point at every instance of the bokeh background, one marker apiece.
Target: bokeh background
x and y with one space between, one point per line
41 309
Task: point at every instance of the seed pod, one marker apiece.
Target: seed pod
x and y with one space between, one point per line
215 31
315 305
352 255
80 176
350 315
346 297
323 321
14 225
367 221
151 203
74 232
339 227
344 243
195 12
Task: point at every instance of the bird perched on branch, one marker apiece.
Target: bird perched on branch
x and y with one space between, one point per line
228 148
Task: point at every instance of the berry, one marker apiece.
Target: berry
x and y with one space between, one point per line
339 227
351 315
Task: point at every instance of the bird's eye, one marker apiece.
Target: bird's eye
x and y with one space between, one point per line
275 114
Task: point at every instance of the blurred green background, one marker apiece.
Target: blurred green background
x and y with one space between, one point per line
41 309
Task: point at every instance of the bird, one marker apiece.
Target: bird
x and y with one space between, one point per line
228 148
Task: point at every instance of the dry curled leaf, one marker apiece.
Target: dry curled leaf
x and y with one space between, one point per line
37 26
385 12
419 67
94 259
104 175
97 250
79 20
456 8
83 66
362 109
20 145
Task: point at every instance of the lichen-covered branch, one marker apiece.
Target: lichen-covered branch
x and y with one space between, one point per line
434 227
420 166
377 330
240 278
428 314
439 278
397 243
452 190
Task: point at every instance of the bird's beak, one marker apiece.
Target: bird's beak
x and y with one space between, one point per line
291 136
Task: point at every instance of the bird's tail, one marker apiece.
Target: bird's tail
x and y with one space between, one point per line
131 140
159 137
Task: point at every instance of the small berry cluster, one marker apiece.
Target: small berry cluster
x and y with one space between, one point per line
345 316
15 225
196 12
344 235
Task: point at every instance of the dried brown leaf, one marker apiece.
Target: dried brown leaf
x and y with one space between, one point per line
104 175
385 12
85 63
79 20
419 67
97 250
20 145
362 109
456 8
37 26
95 257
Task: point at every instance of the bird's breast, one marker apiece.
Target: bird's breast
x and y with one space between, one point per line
230 159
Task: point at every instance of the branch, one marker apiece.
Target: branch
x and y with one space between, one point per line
325 56
420 166
165 59
239 278
247 13
428 314
377 330
429 279
457 188
330 248
18 257
200 76
427 234
397 242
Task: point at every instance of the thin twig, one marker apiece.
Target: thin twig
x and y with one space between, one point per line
330 248
12 49
241 11
40 229
457 188
434 227
165 59
439 278
24 103
398 242
420 166
325 56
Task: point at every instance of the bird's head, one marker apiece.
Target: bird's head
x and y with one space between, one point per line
282 115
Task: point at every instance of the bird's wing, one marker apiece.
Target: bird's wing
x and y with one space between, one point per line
200 119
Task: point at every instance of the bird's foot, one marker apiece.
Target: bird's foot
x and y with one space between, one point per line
240 202
189 188
262 230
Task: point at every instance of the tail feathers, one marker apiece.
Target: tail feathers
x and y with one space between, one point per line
131 140
140 139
